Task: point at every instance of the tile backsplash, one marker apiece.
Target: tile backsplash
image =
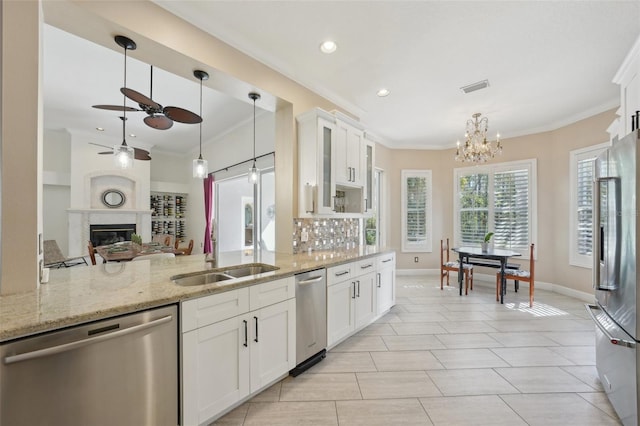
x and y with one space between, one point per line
325 234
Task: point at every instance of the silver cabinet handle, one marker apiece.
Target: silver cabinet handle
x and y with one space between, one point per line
339 274
613 340
246 334
366 266
349 172
379 279
311 280
358 281
387 260
354 289
85 342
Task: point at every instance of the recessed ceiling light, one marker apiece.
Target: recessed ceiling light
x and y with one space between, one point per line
383 92
100 129
132 135
328 46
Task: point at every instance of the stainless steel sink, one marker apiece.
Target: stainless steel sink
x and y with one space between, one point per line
222 274
200 278
249 269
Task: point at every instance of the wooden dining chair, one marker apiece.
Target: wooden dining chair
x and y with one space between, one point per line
520 275
447 266
92 252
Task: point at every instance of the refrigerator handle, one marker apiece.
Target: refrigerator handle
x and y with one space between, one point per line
601 233
613 340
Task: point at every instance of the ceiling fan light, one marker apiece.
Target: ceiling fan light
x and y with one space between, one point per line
200 168
123 156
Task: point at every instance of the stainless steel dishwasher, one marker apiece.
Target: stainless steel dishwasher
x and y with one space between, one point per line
311 319
121 371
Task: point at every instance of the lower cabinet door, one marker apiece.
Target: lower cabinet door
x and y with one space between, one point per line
366 306
215 368
386 289
340 311
273 342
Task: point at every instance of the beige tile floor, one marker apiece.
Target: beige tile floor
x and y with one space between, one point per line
441 359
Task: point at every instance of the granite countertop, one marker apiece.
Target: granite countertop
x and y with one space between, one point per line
81 294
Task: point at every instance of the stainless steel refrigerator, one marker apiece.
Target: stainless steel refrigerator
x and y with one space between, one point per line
615 255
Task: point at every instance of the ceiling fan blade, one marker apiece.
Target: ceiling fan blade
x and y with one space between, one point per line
141 154
159 122
139 98
181 115
106 152
116 108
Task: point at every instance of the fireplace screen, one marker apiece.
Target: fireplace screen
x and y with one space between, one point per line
101 235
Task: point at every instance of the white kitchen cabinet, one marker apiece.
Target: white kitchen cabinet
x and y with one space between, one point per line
215 369
349 158
628 77
386 282
316 162
272 346
340 311
230 351
369 150
351 302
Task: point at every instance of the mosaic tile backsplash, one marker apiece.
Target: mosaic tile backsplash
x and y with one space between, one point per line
325 234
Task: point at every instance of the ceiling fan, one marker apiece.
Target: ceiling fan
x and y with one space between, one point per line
158 117
138 153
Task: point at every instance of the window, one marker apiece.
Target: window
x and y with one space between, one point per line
372 225
416 210
497 198
581 209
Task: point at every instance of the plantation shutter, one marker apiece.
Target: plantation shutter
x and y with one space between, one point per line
584 205
474 207
511 209
416 209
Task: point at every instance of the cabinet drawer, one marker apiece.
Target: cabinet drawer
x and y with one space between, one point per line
261 295
206 310
365 266
386 260
340 273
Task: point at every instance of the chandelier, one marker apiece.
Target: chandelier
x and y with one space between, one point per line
476 149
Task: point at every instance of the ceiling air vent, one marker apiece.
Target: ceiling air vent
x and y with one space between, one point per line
475 86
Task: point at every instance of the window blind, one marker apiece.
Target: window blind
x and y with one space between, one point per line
416 209
584 206
511 209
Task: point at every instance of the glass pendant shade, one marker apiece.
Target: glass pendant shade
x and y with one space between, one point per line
200 168
123 156
254 174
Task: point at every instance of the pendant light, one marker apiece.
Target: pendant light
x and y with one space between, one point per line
200 166
254 173
123 154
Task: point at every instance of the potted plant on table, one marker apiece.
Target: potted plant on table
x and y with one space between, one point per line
487 238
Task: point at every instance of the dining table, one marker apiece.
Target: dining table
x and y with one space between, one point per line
126 250
465 254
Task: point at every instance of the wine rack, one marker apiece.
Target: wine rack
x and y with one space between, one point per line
168 212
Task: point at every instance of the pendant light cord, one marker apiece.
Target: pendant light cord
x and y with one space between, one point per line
200 156
124 99
254 132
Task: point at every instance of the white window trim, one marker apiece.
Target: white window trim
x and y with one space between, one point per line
575 259
490 169
426 246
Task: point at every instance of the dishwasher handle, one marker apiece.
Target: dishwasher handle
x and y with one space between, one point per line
85 342
613 340
310 280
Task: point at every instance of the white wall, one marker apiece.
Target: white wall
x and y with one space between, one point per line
55 199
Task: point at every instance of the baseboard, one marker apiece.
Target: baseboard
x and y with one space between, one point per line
486 280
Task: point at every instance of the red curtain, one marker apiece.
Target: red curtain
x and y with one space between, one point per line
208 211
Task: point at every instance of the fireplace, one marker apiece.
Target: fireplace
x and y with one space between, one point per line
101 235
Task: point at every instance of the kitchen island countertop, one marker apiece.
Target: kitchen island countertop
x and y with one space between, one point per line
81 294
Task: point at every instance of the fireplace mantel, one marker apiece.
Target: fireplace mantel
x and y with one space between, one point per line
110 211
